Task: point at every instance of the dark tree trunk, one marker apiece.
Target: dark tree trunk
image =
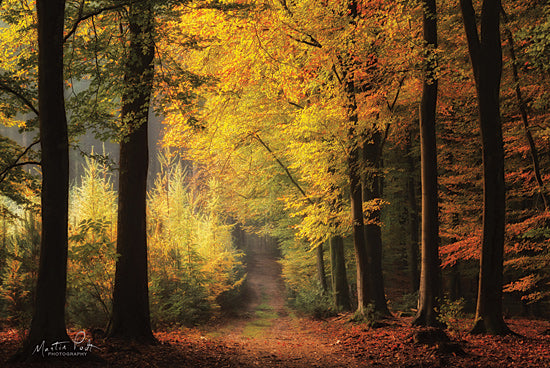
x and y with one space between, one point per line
340 287
412 249
486 57
48 322
131 319
321 268
358 228
373 232
356 193
430 284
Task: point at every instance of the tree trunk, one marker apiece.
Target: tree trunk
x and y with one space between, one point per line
361 256
321 268
340 287
373 232
131 318
430 284
412 249
486 57
48 322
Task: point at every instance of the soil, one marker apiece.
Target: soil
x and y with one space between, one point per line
266 333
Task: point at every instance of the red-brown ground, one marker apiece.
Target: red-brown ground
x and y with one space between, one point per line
267 334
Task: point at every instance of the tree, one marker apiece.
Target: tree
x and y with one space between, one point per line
486 57
339 279
48 322
412 247
131 319
320 258
372 191
429 275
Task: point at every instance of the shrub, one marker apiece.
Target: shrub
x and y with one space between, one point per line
92 247
193 262
450 312
314 302
20 269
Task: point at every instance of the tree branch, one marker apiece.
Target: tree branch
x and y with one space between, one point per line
311 42
255 135
295 105
16 163
82 18
20 96
392 105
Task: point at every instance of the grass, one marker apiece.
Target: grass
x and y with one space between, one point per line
264 317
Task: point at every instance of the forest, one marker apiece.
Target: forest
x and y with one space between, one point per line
274 183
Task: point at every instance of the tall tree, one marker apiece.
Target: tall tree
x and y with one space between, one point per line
486 56
429 274
320 257
131 319
412 248
340 288
372 191
356 200
48 322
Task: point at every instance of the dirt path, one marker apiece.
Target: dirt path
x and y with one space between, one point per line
268 334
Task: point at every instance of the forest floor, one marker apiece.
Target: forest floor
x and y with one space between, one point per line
267 334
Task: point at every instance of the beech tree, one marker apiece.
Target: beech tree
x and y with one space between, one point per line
429 276
486 57
340 287
48 322
131 319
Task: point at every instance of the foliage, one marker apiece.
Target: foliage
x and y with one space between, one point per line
450 312
21 240
192 259
312 300
92 252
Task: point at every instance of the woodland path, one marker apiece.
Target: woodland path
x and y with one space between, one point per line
267 333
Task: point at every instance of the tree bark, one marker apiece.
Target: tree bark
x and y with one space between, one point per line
48 322
358 228
320 255
486 56
131 319
412 249
340 287
430 284
373 232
